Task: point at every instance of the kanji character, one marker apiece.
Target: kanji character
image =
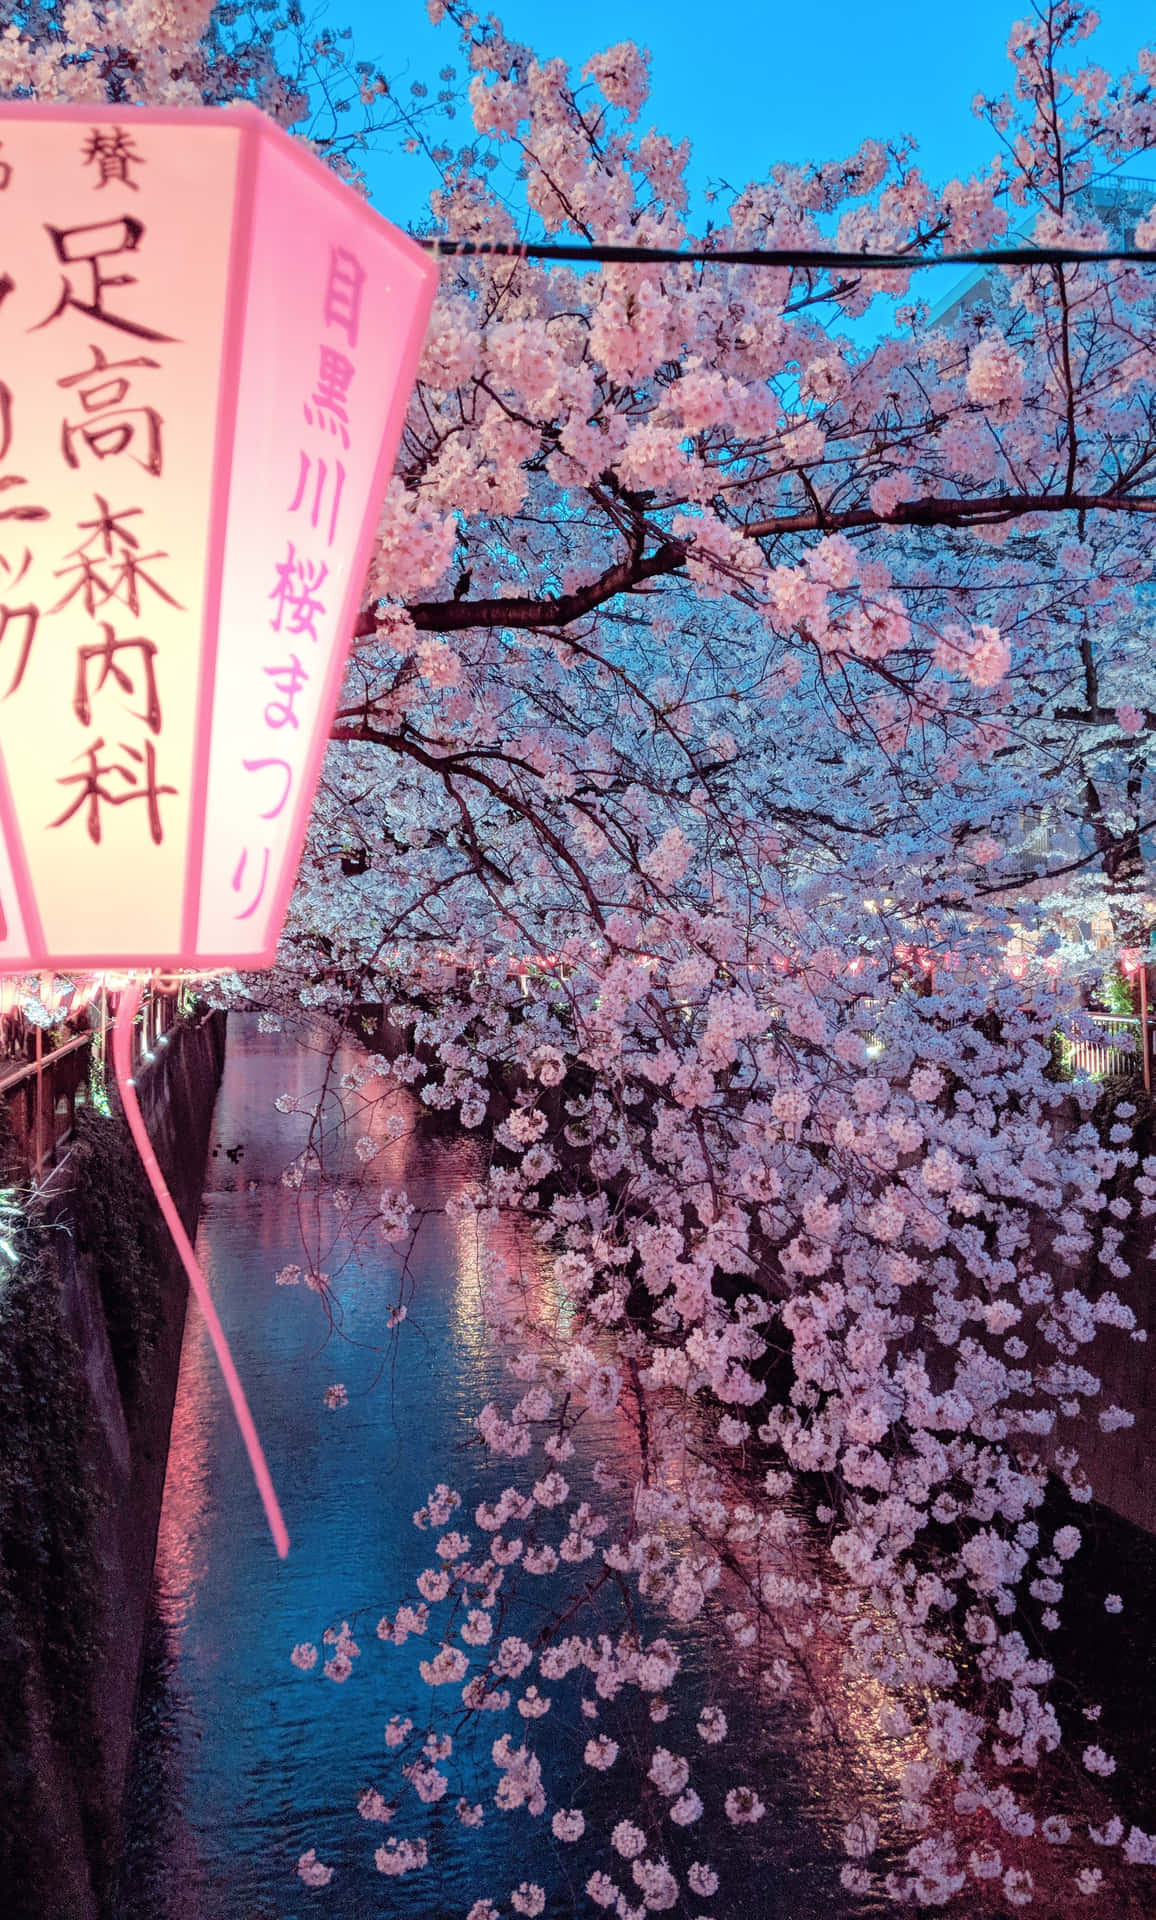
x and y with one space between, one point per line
113 435
110 646
94 793
113 150
318 491
238 877
289 682
122 236
301 603
99 583
343 291
255 766
333 377
124 584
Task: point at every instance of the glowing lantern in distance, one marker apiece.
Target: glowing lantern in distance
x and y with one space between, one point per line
208 344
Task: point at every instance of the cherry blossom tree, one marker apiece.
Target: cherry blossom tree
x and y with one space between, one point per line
727 632
195 53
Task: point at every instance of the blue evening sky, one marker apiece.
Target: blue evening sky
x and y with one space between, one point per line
754 83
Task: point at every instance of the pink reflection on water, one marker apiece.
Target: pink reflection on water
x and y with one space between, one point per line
184 1533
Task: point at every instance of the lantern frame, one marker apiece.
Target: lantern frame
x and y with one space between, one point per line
256 135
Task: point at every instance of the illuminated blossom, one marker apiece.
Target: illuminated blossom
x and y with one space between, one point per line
311 1871
528 1898
743 1806
371 1806
628 1840
401 1856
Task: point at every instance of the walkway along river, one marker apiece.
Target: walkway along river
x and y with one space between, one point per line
245 1762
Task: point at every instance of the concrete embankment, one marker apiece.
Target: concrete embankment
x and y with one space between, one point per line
91 1320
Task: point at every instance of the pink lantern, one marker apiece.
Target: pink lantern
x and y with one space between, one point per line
208 348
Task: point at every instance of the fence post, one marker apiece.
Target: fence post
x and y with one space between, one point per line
1144 1045
39 1138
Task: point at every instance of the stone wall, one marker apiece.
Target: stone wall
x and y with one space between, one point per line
1119 1464
90 1336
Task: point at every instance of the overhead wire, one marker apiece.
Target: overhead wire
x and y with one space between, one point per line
598 253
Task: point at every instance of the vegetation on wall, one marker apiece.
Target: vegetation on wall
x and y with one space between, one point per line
117 1228
53 1623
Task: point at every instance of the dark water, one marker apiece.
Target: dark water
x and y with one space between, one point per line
243 1761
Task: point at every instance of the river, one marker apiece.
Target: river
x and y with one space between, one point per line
245 1762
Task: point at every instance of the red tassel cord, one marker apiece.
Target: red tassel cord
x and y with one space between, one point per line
122 1056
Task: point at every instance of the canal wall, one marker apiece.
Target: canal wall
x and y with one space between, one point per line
1119 1463
91 1321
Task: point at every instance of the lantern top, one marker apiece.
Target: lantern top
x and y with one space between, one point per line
241 113
208 345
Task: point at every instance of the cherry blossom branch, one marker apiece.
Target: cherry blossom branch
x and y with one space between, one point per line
560 610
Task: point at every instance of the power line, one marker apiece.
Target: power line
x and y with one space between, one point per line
785 256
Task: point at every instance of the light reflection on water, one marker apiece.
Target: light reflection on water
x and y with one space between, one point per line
245 1761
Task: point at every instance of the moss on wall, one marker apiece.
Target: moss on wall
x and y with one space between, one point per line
117 1229
91 1318
49 1507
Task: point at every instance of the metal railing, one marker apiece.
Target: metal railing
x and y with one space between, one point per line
43 1081
1119 186
1113 1051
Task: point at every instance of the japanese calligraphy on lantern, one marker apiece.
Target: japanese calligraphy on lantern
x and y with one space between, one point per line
206 349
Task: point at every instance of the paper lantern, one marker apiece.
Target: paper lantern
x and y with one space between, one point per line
208 344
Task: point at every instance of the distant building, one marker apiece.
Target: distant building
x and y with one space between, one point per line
1120 202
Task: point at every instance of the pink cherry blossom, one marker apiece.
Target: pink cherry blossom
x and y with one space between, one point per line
744 726
311 1871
